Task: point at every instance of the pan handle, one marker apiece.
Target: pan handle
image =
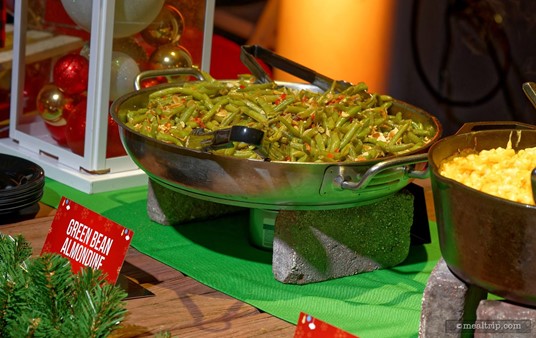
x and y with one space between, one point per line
493 125
402 164
167 72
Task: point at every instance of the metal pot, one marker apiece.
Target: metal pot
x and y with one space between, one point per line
274 184
486 240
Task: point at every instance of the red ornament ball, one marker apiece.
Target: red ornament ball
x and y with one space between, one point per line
76 128
146 83
76 133
71 73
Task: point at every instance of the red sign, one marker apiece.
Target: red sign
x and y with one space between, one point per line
311 327
88 239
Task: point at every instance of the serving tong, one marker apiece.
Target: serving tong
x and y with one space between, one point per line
249 54
208 140
530 91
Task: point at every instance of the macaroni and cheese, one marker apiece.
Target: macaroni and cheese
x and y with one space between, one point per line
500 172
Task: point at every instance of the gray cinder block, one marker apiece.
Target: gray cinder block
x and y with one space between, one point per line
169 207
447 302
498 318
313 246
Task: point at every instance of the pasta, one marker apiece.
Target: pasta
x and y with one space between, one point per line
500 172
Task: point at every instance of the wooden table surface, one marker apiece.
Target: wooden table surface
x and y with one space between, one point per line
180 306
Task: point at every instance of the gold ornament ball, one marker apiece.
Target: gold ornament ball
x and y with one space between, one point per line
51 102
166 28
170 56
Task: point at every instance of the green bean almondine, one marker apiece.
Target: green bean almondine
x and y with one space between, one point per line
298 124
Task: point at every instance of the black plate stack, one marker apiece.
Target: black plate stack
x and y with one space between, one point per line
21 188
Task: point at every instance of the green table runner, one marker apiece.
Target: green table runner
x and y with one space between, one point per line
384 303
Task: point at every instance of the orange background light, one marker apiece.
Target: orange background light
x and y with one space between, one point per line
343 39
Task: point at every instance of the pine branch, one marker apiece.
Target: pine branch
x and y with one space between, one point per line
102 300
41 297
13 250
14 254
52 280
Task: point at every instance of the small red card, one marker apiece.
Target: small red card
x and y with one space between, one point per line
88 239
310 327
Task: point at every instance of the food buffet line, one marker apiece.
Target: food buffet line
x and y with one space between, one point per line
256 143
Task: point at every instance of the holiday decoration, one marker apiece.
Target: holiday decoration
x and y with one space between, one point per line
76 131
130 17
123 74
35 77
166 28
146 83
114 147
132 47
76 128
170 56
41 297
71 73
54 107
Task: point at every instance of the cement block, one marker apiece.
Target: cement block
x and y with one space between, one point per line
499 318
447 302
313 246
168 207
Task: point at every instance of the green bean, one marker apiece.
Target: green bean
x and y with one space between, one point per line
228 118
134 119
293 131
253 114
350 134
399 133
319 142
283 104
363 132
276 136
168 138
412 138
334 142
185 116
356 149
346 115
180 133
396 148
299 125
266 107
214 109
254 87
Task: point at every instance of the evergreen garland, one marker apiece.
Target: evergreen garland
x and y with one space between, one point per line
41 297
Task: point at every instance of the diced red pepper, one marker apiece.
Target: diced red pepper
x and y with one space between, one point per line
199 122
281 98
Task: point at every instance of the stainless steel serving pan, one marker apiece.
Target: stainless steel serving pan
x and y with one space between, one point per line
270 185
